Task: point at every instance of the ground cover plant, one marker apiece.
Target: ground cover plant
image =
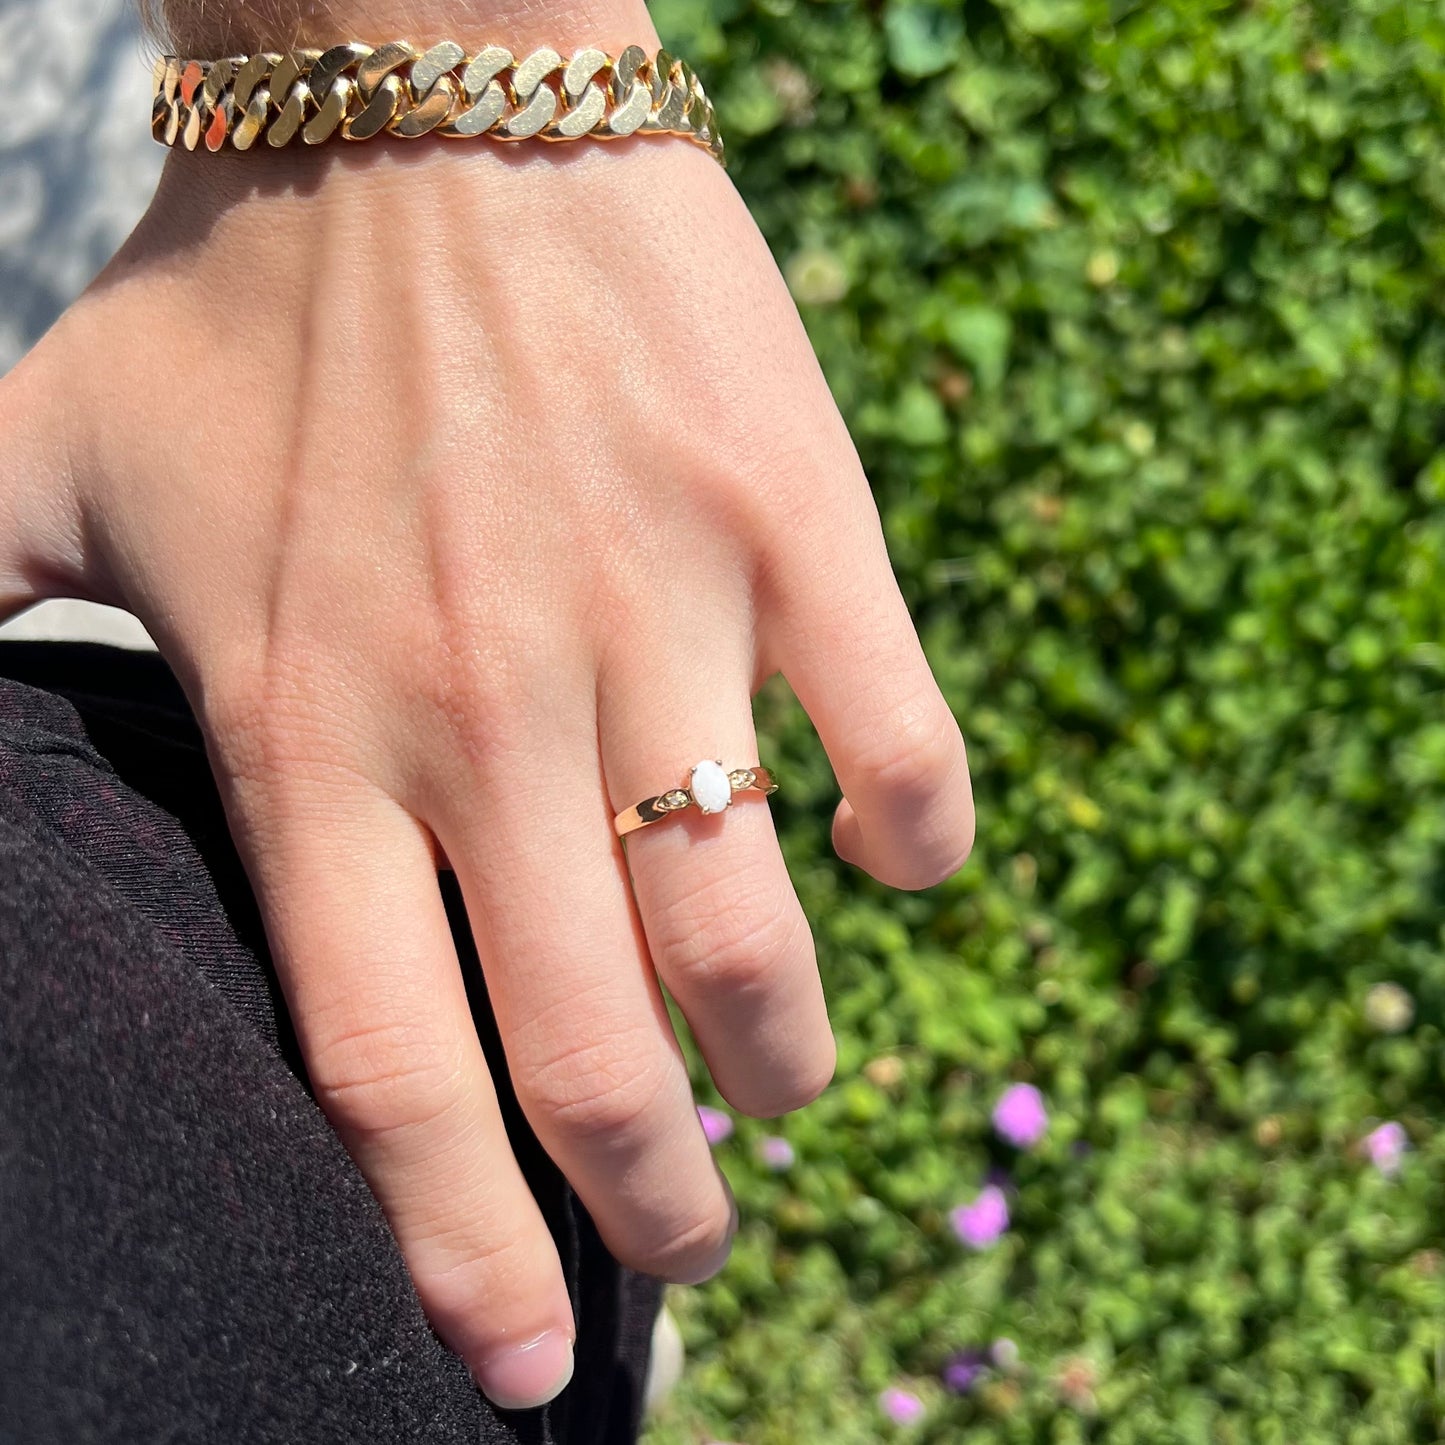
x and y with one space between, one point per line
1135 312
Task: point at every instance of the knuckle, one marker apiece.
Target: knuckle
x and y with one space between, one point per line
240 713
478 720
455 1264
688 1252
383 1078
916 756
598 1089
277 725
484 682
724 936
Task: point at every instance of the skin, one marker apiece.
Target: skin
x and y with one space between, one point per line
472 491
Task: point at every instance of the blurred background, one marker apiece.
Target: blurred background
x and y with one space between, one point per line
1136 309
77 166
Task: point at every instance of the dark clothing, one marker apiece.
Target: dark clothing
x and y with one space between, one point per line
187 1253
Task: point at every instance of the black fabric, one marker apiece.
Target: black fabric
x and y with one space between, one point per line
186 1251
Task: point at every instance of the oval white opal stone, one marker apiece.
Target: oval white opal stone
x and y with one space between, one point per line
710 787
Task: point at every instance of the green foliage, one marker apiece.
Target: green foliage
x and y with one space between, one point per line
1135 312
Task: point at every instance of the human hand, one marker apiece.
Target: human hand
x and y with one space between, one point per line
471 492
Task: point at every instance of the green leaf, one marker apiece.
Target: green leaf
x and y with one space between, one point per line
922 39
919 418
980 336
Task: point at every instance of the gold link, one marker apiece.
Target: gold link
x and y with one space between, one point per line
580 72
625 70
631 94
433 64
486 100
686 80
528 74
628 117
529 121
659 74
668 116
220 126
584 101
488 65
191 78
331 113
434 90
359 91
429 112
481 117
330 64
379 64
287 72
253 70
293 112
538 101
218 75
380 110
248 128
581 119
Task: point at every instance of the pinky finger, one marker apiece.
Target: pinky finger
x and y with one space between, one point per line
848 648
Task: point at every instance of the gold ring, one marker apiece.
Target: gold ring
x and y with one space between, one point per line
709 788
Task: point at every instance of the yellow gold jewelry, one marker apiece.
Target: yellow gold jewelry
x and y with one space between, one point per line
709 788
359 91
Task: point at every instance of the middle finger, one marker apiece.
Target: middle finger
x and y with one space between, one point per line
596 1067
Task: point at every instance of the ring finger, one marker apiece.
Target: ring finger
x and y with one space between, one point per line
724 927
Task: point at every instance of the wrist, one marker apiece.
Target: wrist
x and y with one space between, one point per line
42 553
190 28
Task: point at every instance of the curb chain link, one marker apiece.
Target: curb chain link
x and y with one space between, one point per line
361 91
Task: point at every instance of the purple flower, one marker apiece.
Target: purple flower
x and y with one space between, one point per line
964 1371
776 1153
1020 1116
979 1224
715 1124
1386 1147
903 1407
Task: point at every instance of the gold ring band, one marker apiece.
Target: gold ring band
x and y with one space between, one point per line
709 789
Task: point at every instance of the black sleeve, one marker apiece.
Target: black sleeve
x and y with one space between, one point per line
186 1251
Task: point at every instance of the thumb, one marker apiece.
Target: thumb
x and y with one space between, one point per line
42 551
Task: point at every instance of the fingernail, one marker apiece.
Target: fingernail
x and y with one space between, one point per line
521 1377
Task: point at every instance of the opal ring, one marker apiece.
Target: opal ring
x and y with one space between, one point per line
709 788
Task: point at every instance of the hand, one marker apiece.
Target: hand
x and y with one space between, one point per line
471 492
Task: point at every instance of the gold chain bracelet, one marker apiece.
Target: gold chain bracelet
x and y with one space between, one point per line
359 91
